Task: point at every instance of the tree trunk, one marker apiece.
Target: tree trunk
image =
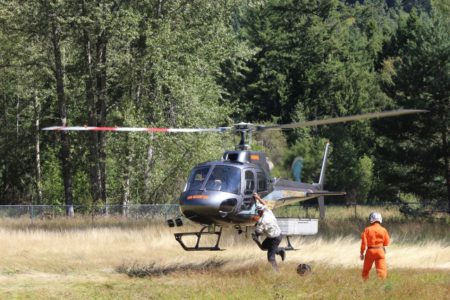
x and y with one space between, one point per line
126 191
17 118
147 171
446 165
65 142
94 170
101 109
37 112
126 178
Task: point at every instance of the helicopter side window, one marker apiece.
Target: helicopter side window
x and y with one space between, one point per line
197 178
249 182
262 182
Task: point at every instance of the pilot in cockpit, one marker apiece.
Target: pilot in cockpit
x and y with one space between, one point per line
217 180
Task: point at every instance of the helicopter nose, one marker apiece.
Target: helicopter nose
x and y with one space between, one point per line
198 208
200 214
207 208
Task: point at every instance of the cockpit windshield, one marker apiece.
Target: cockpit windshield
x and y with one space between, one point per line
224 179
197 178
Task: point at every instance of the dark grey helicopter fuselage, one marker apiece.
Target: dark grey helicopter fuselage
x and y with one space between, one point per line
221 192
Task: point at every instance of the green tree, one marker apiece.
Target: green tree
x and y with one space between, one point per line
152 63
316 59
26 87
415 159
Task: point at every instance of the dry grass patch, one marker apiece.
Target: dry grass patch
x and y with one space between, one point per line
257 282
143 261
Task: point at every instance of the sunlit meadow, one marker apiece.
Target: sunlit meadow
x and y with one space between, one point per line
128 259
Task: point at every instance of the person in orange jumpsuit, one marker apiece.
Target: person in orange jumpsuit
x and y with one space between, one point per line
374 239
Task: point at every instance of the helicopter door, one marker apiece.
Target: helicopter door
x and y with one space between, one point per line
262 183
249 189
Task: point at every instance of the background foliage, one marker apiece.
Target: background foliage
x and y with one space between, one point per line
207 63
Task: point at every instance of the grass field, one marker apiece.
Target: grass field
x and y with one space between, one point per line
133 259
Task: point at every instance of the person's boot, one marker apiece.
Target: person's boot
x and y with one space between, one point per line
282 253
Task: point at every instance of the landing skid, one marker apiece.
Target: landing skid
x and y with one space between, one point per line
211 230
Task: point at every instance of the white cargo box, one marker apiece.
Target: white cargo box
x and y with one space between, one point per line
297 226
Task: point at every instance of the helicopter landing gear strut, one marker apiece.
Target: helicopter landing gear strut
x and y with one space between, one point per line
212 230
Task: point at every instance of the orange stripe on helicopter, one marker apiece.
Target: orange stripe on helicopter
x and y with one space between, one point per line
197 197
100 128
254 157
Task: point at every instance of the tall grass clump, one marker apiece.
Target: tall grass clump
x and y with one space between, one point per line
351 221
80 222
153 269
119 258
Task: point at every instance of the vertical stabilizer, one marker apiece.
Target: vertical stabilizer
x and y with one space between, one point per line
322 181
324 166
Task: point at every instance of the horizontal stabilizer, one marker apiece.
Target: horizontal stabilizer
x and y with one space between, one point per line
326 193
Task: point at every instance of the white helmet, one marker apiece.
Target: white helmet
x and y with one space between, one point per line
375 217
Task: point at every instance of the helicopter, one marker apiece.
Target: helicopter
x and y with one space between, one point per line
221 193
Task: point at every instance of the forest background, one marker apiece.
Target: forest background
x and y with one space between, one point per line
203 63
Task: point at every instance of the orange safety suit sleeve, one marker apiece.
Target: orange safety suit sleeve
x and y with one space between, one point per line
363 242
386 240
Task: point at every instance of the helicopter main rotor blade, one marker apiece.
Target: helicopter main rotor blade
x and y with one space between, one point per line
134 129
242 127
383 114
